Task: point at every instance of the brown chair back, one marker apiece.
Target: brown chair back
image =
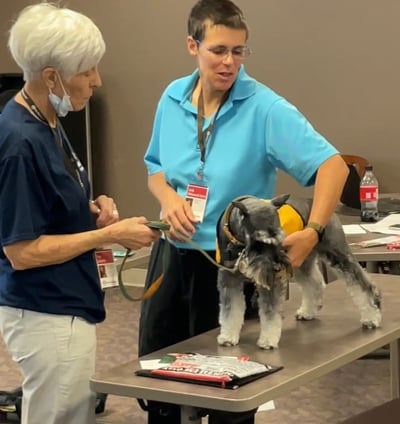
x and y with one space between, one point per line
357 161
350 195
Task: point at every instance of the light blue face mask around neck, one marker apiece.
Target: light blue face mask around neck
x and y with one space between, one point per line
61 106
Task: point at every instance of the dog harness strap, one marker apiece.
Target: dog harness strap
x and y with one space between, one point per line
217 253
225 219
291 221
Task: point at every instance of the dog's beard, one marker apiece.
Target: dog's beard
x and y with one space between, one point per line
261 263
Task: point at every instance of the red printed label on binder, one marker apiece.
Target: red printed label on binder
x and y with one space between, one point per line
368 193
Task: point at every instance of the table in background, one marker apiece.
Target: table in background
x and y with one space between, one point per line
370 255
325 344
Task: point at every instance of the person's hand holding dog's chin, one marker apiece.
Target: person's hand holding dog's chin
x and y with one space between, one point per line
299 245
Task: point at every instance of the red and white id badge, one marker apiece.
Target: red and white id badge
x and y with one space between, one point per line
197 195
106 267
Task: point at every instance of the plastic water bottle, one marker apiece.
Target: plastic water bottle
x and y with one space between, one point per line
369 192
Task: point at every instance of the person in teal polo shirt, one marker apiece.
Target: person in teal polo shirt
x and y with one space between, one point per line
219 134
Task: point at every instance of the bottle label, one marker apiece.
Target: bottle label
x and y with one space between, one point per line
369 194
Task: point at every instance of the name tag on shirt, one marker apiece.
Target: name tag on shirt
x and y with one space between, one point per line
197 195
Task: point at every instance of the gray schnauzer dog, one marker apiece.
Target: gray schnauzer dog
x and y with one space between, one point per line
250 239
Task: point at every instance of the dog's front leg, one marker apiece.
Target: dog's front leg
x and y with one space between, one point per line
232 307
270 303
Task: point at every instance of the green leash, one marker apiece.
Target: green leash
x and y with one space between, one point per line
164 227
155 225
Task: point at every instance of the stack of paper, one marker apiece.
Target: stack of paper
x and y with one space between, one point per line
388 225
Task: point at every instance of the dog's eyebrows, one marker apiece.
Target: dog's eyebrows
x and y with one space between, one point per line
268 213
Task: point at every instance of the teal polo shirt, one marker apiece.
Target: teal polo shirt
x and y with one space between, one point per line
256 133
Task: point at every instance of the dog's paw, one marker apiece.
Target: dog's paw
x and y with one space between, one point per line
227 340
372 319
267 344
369 325
303 316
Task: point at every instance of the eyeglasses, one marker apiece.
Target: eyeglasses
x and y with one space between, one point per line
238 53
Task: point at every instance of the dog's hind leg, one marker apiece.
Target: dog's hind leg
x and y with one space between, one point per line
232 307
365 294
270 302
311 281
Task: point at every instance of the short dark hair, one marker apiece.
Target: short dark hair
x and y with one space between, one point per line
215 12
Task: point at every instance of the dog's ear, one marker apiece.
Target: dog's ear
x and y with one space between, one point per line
278 201
241 206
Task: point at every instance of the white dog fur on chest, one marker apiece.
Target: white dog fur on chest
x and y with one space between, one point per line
250 243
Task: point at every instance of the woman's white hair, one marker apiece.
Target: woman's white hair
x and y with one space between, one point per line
46 35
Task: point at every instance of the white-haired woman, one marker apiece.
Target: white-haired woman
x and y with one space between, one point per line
50 294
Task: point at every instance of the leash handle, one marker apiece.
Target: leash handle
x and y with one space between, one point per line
154 225
158 225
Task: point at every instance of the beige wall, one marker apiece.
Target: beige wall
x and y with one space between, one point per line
338 61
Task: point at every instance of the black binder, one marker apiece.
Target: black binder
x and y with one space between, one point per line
217 371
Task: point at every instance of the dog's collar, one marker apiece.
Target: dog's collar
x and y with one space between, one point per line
225 219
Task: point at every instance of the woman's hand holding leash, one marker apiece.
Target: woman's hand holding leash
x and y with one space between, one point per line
134 233
178 213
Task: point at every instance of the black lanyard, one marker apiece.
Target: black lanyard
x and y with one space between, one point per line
34 109
71 160
204 136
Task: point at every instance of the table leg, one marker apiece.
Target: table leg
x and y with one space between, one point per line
394 368
189 415
372 266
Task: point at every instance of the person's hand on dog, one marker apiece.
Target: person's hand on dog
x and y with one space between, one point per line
299 245
178 213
